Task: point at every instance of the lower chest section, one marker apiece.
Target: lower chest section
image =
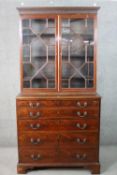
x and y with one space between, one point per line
58 130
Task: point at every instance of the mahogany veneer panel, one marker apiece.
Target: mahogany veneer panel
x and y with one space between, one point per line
51 156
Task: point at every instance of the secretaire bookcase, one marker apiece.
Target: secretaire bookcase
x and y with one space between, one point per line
58 109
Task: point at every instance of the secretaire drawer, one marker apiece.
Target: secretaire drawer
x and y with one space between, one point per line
40 125
37 139
76 139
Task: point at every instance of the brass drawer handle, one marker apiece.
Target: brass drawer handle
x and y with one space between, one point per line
34 116
81 157
35 141
82 105
84 126
34 105
81 141
37 126
35 157
82 115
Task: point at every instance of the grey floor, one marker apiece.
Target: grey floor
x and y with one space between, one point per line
108 157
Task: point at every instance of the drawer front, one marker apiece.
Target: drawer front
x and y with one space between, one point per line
40 140
79 125
38 155
58 125
79 113
40 125
59 156
75 140
37 104
26 113
76 155
79 103
51 140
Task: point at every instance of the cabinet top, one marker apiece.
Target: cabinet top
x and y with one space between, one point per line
58 96
57 10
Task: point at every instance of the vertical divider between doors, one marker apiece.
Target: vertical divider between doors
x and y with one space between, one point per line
59 51
56 54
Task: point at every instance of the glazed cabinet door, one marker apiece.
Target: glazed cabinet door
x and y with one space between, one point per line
38 57
77 53
58 53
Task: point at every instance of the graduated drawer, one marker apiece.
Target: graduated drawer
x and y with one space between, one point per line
25 113
40 125
38 155
57 156
76 139
40 140
58 125
79 155
79 125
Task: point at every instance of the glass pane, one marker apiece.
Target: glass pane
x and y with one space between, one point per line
28 71
51 83
65 53
26 84
51 53
38 48
65 73
65 23
39 82
26 53
77 82
49 71
38 53
77 53
25 23
77 26
28 36
51 23
49 36
38 25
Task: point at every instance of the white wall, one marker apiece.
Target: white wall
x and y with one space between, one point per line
9 65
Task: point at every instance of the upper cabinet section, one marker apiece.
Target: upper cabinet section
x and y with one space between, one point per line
58 49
